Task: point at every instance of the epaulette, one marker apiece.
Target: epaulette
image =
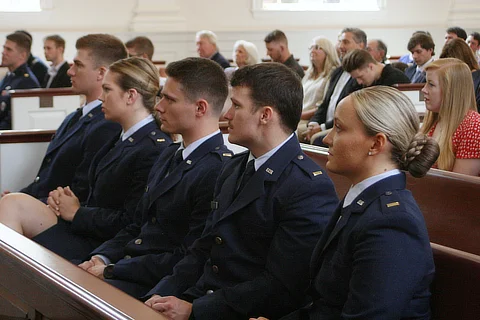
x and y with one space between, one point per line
308 166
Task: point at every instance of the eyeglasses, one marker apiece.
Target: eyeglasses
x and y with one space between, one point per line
315 47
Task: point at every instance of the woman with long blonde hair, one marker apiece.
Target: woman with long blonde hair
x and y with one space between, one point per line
452 118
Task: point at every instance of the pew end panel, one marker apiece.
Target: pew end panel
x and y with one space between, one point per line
58 289
42 108
456 287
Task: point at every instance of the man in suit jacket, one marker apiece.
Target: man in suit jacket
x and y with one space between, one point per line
271 204
277 48
206 42
57 77
84 132
341 84
15 53
179 190
422 47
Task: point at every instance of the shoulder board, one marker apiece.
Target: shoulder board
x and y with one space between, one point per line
312 169
391 202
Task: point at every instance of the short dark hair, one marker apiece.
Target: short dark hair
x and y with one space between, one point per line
21 40
59 41
201 78
276 36
382 46
422 39
476 36
141 45
357 59
460 32
273 84
105 48
359 36
25 32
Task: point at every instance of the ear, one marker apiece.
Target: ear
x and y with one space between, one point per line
379 143
132 96
266 115
201 107
101 73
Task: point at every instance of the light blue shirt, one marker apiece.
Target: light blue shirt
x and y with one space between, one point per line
194 145
137 126
361 186
89 107
258 162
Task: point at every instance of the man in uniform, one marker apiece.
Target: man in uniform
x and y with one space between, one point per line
271 206
38 67
16 51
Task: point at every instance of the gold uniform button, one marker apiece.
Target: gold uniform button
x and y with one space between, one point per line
215 268
138 241
37 178
300 157
153 133
218 240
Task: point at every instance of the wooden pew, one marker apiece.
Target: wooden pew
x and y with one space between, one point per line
42 108
456 287
413 91
449 203
41 284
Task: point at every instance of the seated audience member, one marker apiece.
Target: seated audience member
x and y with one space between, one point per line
408 58
206 42
244 54
454 33
323 59
378 49
452 118
271 205
341 84
57 77
457 48
422 48
14 56
368 72
84 132
374 261
35 64
140 47
473 42
118 173
277 48
179 191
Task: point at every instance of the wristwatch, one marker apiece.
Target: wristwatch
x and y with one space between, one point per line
108 271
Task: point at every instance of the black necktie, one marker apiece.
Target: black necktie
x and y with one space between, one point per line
247 174
176 160
75 118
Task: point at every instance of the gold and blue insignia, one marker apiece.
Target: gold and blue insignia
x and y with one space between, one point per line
317 173
26 75
227 154
269 171
214 205
160 140
393 204
90 115
189 161
130 139
360 202
300 157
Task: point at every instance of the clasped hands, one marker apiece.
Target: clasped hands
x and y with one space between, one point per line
171 307
63 203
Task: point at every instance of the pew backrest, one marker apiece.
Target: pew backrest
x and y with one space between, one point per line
414 93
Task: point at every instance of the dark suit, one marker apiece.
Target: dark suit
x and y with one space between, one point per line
20 78
117 179
37 66
70 154
173 210
476 87
376 262
61 79
218 58
410 73
255 250
320 115
295 66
